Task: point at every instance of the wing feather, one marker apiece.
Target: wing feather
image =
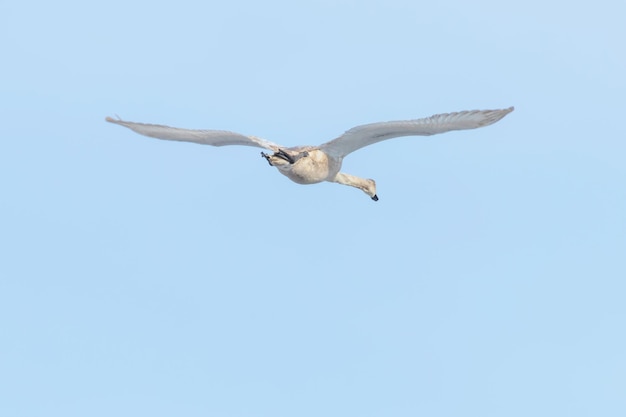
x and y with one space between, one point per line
364 135
205 137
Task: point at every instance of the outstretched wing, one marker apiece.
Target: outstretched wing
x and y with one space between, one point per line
364 135
205 137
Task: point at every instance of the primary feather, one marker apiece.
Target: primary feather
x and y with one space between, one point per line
205 137
364 135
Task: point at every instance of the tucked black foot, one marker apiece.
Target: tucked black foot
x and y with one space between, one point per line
375 198
291 158
284 155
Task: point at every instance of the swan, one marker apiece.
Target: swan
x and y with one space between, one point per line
314 164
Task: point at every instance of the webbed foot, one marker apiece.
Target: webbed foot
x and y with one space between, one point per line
292 159
267 158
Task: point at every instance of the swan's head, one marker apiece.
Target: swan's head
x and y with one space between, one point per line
369 188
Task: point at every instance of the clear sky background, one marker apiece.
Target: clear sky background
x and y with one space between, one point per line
144 277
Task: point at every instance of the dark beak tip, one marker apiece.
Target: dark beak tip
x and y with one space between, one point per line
375 198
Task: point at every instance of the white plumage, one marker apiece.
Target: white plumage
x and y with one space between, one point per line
313 164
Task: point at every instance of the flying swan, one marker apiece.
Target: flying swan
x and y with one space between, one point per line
313 164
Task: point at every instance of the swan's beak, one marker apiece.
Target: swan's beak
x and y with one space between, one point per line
375 198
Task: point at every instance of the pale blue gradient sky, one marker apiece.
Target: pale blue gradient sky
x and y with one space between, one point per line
144 277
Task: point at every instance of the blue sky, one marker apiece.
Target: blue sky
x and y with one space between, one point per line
144 277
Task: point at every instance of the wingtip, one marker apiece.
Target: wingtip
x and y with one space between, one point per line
112 120
499 114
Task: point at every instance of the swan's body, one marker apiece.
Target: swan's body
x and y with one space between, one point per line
313 164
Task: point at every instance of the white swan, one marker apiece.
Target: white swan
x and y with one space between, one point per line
313 164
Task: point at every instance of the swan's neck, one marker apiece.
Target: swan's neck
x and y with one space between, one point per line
368 186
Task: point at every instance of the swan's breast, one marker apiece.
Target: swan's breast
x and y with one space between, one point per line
314 168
